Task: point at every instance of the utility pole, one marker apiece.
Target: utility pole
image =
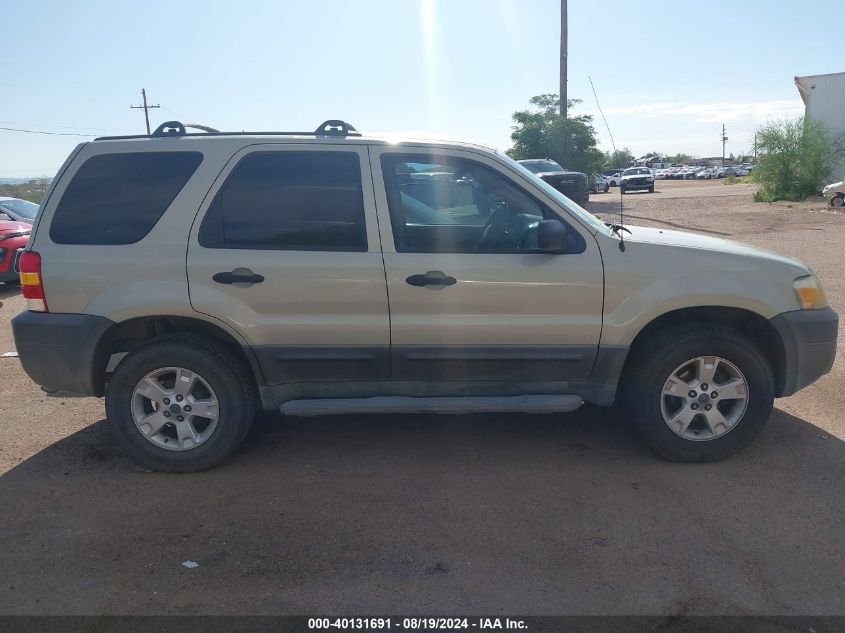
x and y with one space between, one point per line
146 108
724 140
755 147
564 32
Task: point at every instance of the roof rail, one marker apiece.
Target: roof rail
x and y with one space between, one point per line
168 129
336 127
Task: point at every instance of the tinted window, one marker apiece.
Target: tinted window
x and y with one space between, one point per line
118 198
289 200
541 166
21 208
449 205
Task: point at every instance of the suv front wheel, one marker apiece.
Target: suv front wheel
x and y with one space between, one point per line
698 393
179 404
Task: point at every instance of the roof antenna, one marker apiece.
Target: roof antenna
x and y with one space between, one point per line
620 229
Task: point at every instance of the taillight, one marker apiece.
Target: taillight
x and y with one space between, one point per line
31 282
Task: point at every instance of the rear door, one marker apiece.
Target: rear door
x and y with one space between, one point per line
286 251
471 295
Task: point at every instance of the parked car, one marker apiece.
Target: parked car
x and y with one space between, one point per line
637 179
17 210
599 184
319 276
614 176
13 237
741 170
573 184
836 194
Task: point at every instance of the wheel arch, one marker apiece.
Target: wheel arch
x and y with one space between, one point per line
754 326
125 336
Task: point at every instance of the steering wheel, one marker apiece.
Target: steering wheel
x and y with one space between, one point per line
497 230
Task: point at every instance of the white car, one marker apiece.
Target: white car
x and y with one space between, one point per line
637 179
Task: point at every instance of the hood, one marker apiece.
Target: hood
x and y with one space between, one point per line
682 239
835 186
570 174
14 227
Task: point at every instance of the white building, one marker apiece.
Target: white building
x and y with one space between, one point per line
824 100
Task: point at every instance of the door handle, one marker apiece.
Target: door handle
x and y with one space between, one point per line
432 278
238 276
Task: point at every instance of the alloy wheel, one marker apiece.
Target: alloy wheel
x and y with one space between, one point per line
175 408
704 398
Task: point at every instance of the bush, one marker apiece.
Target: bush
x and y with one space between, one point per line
795 159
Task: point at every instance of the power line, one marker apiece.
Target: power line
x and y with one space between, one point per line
62 127
146 108
14 129
612 142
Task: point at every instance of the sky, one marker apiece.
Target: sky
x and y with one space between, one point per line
667 74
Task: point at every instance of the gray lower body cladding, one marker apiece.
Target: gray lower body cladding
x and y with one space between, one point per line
59 352
809 345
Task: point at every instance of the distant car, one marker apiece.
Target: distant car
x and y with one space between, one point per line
637 179
614 176
573 184
836 193
705 174
13 238
599 184
742 170
18 210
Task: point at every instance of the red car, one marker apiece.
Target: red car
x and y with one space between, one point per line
13 237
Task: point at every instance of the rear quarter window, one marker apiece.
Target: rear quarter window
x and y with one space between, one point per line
119 198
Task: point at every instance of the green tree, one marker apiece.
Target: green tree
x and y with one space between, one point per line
618 158
542 133
794 159
680 157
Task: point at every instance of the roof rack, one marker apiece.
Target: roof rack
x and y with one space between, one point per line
171 129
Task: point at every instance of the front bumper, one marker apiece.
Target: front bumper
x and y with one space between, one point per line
809 345
59 351
629 186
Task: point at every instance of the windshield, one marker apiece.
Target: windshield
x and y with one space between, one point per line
636 170
585 216
541 166
20 207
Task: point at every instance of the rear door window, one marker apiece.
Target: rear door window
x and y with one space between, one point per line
119 198
289 200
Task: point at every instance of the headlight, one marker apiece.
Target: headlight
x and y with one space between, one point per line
809 292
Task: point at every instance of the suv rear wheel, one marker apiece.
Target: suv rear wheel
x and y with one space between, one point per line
698 393
179 404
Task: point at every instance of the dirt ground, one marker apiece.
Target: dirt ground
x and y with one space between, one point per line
494 514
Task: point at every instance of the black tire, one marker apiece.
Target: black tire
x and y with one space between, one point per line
651 189
652 362
606 187
621 189
222 371
838 201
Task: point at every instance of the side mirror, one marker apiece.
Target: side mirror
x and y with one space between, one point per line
552 236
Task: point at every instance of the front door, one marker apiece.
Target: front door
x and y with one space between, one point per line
472 297
286 252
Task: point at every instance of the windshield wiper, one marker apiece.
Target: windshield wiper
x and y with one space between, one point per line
617 228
